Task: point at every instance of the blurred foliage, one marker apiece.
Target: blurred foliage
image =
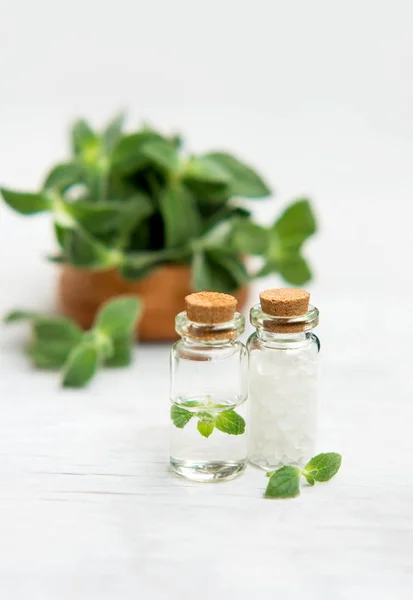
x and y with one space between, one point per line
136 201
58 343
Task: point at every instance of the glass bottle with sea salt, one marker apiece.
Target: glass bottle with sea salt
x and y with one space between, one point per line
209 369
283 379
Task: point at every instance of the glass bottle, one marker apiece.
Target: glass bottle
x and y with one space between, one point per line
283 379
209 369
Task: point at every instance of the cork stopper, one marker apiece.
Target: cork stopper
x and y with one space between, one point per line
284 302
210 307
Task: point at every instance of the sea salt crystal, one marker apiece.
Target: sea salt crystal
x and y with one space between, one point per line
283 406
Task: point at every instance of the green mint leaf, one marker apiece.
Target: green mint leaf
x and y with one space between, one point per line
203 170
217 270
191 403
64 175
249 238
83 250
161 153
207 276
225 213
112 133
122 352
62 235
53 340
208 182
103 216
81 366
85 142
136 210
211 197
217 236
294 269
118 317
284 483
286 237
231 263
230 422
322 467
205 426
15 316
97 217
244 181
56 329
127 155
180 214
295 225
180 417
46 356
136 265
26 204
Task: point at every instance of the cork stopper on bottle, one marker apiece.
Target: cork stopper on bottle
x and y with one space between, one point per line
210 307
284 302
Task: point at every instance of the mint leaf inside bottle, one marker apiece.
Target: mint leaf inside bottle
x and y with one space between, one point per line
230 422
206 426
180 417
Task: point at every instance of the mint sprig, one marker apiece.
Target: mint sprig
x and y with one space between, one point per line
285 482
57 342
227 421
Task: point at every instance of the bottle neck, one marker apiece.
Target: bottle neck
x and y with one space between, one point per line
284 331
283 340
217 334
190 340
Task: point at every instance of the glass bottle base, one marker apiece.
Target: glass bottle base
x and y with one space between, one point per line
207 471
266 466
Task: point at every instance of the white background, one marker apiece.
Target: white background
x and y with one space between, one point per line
319 96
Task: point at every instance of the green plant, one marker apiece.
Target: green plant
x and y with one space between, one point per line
136 201
285 482
58 343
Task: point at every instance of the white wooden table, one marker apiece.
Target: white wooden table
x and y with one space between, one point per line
89 510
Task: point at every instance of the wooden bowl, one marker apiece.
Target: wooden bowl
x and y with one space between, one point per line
82 291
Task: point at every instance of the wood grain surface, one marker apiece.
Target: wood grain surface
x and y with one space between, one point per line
89 510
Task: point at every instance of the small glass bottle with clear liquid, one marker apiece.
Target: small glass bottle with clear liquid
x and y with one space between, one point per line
208 390
283 379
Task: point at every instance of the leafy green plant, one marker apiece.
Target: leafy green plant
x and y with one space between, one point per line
285 482
210 416
136 201
58 343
